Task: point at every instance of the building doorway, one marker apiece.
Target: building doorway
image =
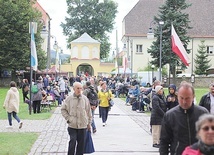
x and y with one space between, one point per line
85 69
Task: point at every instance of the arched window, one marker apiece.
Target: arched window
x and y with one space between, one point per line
74 53
85 53
95 53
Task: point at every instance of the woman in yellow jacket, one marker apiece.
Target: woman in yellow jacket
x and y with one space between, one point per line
104 95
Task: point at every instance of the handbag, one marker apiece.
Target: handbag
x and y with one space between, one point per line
89 146
111 102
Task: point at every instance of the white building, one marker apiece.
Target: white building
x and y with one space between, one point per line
137 22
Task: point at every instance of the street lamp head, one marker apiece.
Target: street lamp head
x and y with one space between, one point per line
150 35
161 22
153 66
55 46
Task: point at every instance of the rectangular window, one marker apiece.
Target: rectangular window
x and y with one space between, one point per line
139 48
209 50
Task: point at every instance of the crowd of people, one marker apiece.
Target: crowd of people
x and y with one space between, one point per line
178 125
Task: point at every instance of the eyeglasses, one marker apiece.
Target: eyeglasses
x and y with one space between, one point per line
206 128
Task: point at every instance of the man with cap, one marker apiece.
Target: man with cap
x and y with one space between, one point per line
158 111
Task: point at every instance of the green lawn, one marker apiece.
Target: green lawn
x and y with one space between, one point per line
23 109
16 143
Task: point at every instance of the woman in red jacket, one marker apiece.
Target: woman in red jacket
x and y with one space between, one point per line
205 134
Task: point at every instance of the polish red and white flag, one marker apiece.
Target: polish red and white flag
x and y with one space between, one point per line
178 48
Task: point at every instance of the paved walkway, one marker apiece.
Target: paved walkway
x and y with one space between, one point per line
126 133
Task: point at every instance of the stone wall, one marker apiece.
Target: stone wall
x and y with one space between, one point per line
5 82
202 82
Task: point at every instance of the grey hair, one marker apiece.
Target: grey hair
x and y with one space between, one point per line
77 84
202 119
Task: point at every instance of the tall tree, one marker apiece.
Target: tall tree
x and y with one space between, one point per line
202 61
93 17
171 12
14 35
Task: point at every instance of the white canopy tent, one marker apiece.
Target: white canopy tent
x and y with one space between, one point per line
122 71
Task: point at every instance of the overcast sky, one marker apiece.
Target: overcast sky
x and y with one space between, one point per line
57 11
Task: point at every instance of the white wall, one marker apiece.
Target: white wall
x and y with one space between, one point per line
142 60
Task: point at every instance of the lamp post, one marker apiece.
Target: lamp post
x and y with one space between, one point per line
152 72
55 46
150 35
160 63
131 44
60 61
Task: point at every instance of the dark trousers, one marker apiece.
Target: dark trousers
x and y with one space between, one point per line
62 94
77 141
36 106
25 96
104 113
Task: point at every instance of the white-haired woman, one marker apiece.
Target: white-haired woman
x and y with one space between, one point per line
205 134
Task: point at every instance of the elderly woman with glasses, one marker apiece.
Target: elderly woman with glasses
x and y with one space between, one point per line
205 134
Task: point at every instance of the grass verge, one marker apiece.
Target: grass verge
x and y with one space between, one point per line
17 143
23 109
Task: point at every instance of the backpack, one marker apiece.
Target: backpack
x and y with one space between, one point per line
92 97
34 89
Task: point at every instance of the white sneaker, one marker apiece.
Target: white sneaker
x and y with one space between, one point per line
104 124
139 111
20 125
9 127
128 104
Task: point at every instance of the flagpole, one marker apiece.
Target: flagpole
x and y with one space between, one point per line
31 73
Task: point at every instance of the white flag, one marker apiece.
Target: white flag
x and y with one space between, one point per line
34 60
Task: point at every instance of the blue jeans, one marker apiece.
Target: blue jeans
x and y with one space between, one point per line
117 93
127 99
59 100
104 113
77 141
93 123
9 115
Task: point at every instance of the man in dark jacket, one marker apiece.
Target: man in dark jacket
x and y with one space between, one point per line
178 125
207 100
